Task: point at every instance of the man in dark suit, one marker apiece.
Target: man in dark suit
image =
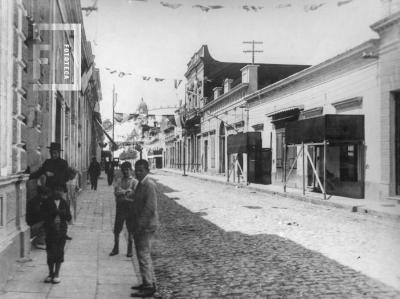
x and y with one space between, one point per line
145 224
56 171
94 172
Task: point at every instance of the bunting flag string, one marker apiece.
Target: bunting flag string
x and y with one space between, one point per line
248 8
122 74
171 5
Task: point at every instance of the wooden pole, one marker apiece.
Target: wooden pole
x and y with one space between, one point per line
284 167
324 169
304 172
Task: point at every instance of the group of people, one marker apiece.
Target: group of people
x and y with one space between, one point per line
136 207
52 209
95 170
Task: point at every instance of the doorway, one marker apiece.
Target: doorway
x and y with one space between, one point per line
205 155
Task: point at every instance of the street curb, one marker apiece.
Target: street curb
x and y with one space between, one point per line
350 208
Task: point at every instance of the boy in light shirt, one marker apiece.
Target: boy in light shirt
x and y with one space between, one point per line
123 191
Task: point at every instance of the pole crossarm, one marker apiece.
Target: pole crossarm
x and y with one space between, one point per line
253 50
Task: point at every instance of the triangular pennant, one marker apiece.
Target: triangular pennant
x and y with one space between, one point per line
202 7
340 3
171 5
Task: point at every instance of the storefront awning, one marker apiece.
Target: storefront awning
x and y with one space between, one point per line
287 109
107 135
244 142
334 128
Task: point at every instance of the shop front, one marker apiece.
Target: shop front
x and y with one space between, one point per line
333 153
247 158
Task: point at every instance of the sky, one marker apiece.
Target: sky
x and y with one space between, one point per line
146 38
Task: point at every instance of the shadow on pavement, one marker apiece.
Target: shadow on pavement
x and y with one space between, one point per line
193 258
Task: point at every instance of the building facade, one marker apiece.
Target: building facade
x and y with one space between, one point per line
31 117
214 109
355 95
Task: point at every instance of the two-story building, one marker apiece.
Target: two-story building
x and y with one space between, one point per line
214 110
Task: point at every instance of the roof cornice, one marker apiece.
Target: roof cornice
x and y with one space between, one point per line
366 46
234 90
386 22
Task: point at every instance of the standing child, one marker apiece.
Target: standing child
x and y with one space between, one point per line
123 191
56 214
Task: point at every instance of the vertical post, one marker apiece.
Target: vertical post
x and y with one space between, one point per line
324 169
113 105
304 172
184 154
284 167
252 58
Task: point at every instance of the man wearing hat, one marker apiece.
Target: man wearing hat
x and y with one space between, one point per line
56 171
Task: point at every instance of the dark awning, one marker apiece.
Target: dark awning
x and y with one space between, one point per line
107 135
244 142
334 128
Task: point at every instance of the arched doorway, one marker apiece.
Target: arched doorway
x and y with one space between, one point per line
222 148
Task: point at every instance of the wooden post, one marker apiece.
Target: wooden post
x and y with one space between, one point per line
284 167
324 169
304 172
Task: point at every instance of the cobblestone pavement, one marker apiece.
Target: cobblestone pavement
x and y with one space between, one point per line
216 241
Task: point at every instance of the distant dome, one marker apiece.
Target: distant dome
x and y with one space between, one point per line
142 108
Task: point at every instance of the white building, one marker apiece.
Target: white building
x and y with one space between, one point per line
364 81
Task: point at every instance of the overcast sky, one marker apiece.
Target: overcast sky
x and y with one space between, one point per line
147 39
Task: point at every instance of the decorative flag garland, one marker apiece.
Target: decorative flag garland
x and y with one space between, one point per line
177 82
248 8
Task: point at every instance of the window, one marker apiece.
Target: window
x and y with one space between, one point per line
348 163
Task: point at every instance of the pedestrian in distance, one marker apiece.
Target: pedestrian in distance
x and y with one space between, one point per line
55 213
145 224
56 171
94 173
123 191
109 168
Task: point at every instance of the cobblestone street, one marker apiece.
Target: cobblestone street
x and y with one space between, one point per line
220 242
216 241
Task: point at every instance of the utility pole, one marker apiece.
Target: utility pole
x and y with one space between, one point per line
253 50
184 140
113 116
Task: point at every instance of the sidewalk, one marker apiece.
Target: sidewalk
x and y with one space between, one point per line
389 209
88 271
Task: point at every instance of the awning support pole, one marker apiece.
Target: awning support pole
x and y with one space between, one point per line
304 172
284 165
291 169
324 169
314 170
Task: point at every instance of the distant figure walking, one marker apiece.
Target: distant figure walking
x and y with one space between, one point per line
94 173
145 224
56 213
123 191
109 168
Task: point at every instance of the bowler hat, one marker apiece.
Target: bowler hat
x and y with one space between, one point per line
55 146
